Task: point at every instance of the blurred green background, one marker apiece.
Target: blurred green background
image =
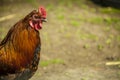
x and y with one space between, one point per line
79 38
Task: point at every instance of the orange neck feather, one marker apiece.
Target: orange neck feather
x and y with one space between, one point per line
19 45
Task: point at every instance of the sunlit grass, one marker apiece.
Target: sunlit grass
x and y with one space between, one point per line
100 47
110 20
107 28
52 61
106 21
117 27
3 31
102 20
33 2
109 10
88 36
61 17
49 7
118 38
95 20
86 46
113 21
108 41
67 35
69 4
84 6
75 23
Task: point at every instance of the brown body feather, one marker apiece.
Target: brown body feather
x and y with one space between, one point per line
17 50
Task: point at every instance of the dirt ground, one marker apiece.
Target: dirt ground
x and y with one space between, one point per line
77 41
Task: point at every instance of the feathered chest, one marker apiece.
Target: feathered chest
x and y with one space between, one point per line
21 50
29 47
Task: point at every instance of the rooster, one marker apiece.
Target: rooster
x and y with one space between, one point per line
20 49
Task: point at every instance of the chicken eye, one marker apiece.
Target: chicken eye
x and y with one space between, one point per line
36 17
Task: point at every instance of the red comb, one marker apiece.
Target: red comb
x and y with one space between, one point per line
42 11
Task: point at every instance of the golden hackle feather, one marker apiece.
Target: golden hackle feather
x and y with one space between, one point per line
17 48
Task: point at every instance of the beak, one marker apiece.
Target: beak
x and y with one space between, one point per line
44 20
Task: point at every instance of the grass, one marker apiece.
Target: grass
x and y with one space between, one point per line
49 7
75 23
118 38
83 79
33 2
110 20
61 17
88 36
107 28
102 20
95 20
109 10
3 31
86 46
100 47
117 27
115 22
108 41
71 2
76 20
49 62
